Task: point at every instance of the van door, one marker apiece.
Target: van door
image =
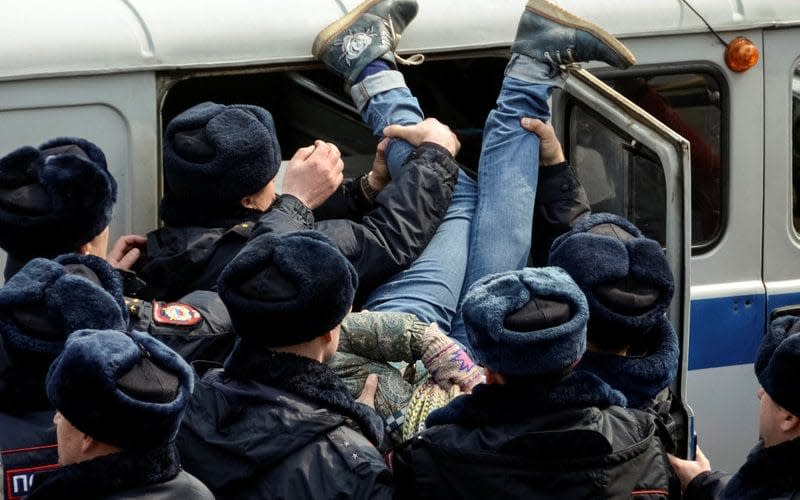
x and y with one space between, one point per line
632 165
782 170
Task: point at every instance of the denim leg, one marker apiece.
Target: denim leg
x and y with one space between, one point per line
507 176
508 172
431 287
383 100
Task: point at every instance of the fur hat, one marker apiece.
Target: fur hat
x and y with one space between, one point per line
526 323
54 199
220 154
625 276
288 289
125 389
49 299
777 364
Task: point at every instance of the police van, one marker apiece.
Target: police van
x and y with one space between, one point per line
694 144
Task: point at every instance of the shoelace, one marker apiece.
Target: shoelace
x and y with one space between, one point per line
414 60
559 65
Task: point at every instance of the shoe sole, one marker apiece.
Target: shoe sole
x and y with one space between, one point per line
331 31
561 16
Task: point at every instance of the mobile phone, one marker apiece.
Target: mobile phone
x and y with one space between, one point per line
691 450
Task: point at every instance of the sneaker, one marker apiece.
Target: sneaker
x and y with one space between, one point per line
553 36
366 33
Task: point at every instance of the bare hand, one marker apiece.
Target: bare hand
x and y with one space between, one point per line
379 176
126 251
428 130
686 470
314 173
367 395
550 152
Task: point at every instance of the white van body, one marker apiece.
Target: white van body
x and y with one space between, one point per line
107 70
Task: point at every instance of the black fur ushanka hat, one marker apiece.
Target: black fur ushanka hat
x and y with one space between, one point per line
626 277
49 299
288 289
124 389
54 198
777 363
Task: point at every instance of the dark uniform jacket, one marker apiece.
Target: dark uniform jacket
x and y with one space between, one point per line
27 445
768 473
570 441
153 474
197 327
644 376
27 432
380 241
276 425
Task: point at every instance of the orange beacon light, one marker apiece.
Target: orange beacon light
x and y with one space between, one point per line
741 54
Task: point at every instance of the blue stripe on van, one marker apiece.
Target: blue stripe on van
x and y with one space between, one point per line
726 331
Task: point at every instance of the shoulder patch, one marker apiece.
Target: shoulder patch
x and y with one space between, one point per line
175 314
19 466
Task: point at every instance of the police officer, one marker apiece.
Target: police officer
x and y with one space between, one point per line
39 307
287 295
770 470
58 198
119 398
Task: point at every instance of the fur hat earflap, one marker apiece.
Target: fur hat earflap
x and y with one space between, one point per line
49 299
626 277
124 389
219 154
288 289
54 198
777 363
526 323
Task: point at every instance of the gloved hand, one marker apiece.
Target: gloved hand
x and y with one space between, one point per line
447 363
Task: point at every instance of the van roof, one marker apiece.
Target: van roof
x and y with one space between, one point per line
45 38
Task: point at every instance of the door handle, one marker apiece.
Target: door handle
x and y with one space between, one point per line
793 310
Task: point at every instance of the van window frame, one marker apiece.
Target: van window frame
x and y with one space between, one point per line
715 72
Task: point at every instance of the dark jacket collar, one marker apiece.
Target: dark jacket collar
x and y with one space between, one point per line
304 377
639 378
109 474
501 404
768 472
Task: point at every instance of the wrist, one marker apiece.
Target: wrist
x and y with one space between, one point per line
554 161
370 186
555 164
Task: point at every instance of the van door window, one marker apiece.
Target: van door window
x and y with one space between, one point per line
619 174
692 105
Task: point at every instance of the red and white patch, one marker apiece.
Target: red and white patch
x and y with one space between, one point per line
175 314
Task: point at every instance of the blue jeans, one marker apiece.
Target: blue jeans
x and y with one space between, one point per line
508 173
384 100
487 228
431 286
